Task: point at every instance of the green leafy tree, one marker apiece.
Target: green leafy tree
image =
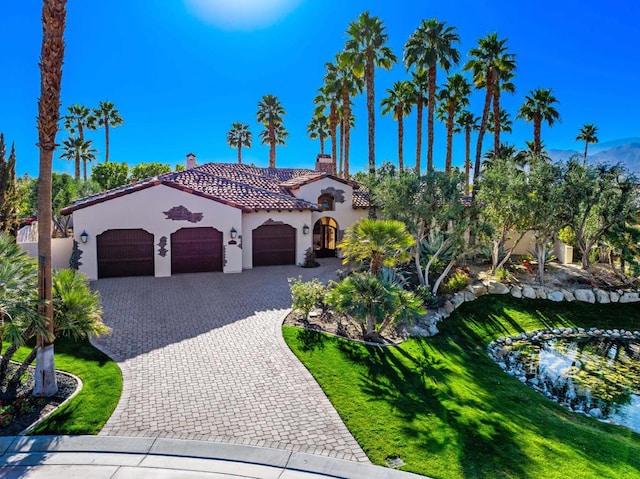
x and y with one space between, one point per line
149 170
318 129
432 44
306 295
399 103
270 113
467 122
108 117
589 134
79 151
378 242
538 107
63 193
366 49
54 14
239 136
488 60
9 199
598 199
110 175
452 96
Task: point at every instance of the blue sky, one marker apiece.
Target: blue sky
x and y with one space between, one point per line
181 71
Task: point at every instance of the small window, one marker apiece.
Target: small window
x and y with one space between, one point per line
325 202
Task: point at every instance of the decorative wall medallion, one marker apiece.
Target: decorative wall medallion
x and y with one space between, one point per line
338 195
240 241
180 213
272 222
76 254
162 251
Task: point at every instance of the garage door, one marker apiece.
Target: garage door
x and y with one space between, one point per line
274 244
125 253
196 250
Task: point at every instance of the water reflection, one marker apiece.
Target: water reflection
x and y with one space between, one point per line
597 376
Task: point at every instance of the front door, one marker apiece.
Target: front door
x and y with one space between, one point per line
325 238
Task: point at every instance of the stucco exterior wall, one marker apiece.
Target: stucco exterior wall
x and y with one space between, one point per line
61 249
145 209
296 219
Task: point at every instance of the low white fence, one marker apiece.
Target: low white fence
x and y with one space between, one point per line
61 249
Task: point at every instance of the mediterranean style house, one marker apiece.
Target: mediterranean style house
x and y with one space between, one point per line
214 217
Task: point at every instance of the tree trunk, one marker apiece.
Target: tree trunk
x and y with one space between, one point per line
333 125
542 253
321 144
444 274
51 58
483 127
447 166
419 237
347 146
106 145
370 323
586 146
467 159
537 126
15 379
496 120
4 362
342 127
240 152
84 167
400 141
77 166
430 112
272 145
420 106
370 84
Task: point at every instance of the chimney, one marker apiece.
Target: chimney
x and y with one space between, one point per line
191 161
324 163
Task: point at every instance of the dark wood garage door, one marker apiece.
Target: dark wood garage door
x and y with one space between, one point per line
125 253
274 244
196 250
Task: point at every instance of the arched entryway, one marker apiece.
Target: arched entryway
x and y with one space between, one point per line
325 237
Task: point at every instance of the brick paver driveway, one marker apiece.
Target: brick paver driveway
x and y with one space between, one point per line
203 358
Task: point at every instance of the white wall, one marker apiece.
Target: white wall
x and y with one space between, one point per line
144 209
297 219
61 249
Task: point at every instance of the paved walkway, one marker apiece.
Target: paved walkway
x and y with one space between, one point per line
91 457
203 358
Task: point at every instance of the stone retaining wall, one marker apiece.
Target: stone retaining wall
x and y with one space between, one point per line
427 326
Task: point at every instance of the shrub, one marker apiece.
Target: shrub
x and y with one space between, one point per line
310 259
502 274
306 295
567 236
456 282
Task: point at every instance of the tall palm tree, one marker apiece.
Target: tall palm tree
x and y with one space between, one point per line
399 103
345 134
270 113
107 116
487 62
277 135
420 84
51 58
453 96
505 123
318 128
366 49
78 118
327 100
430 45
80 151
588 133
538 107
503 84
468 122
239 136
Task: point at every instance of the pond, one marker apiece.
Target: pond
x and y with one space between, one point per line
594 375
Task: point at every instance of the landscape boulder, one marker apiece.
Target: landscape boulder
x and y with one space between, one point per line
584 295
568 295
516 292
556 296
629 297
602 296
529 292
495 287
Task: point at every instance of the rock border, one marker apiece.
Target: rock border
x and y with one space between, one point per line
427 325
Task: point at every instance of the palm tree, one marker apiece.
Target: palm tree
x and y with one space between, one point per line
270 113
348 85
51 58
318 128
78 119
419 83
503 83
345 138
588 134
78 150
432 44
538 107
487 62
379 242
453 96
505 123
366 49
274 136
327 99
239 136
106 115
468 122
398 103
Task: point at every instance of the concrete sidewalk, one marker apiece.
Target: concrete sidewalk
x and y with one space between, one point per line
100 457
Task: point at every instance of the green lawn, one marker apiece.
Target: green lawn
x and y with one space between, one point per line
102 385
449 412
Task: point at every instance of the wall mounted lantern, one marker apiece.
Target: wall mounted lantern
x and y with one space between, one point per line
305 230
234 233
84 237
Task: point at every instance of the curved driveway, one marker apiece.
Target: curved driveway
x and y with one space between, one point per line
203 358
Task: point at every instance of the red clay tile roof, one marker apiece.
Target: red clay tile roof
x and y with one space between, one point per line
240 186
